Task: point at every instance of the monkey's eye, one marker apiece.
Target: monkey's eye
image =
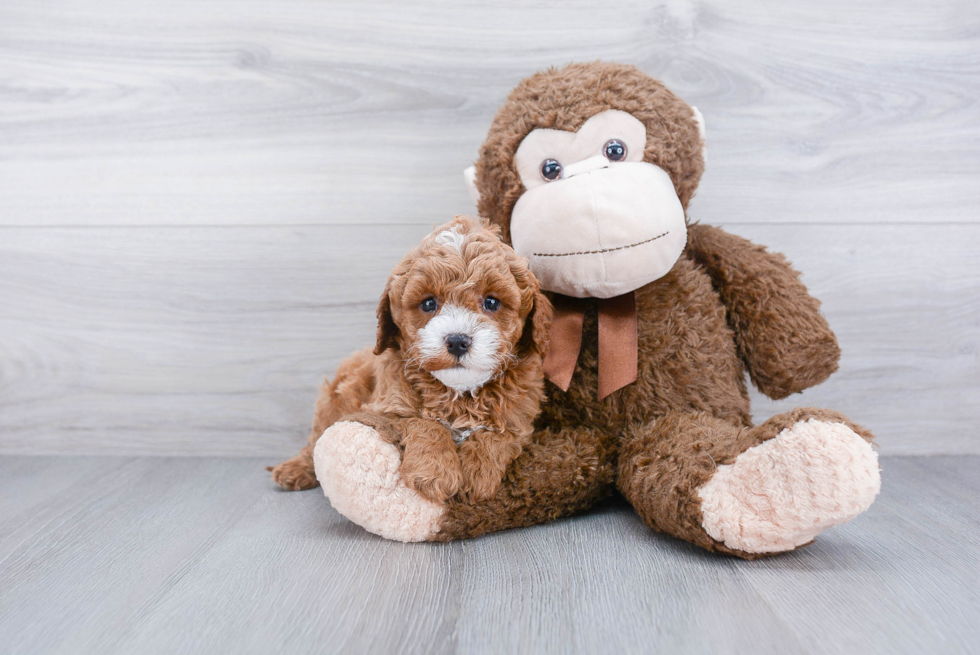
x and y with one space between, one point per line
491 304
428 305
551 170
614 150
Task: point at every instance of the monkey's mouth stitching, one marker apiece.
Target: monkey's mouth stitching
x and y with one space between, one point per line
597 252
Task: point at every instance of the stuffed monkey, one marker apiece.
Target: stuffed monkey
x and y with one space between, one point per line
588 171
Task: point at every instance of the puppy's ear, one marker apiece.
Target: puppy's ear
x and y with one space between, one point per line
387 329
537 325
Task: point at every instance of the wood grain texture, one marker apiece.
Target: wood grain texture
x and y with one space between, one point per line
105 546
198 555
904 302
177 340
916 548
213 340
350 112
199 202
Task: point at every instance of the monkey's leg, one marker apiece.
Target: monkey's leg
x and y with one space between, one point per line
558 474
749 491
351 388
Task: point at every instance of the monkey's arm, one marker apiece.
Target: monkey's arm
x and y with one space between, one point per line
783 339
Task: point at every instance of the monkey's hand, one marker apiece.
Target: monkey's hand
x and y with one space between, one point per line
782 337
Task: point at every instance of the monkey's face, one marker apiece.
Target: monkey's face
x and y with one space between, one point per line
595 219
588 171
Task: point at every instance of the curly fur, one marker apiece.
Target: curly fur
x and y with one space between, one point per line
397 379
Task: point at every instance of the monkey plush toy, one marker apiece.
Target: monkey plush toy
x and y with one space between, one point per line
588 171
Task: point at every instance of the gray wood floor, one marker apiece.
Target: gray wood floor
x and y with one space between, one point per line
202 555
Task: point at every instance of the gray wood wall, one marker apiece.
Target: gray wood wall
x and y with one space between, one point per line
200 201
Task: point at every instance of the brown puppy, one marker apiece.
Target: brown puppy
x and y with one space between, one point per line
456 372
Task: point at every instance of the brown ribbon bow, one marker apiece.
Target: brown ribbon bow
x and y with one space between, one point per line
617 341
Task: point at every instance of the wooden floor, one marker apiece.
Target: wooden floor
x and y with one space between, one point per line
203 555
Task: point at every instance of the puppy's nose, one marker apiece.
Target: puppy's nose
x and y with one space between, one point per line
458 344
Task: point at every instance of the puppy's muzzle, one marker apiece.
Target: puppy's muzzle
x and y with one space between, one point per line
458 344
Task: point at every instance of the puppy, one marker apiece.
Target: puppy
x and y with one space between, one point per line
462 330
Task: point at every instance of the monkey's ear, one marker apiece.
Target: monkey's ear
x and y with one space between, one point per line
470 176
701 131
537 326
387 329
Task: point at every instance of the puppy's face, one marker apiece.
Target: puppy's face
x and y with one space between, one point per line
462 305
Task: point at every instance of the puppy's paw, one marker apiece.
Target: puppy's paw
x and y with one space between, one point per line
481 478
436 476
294 474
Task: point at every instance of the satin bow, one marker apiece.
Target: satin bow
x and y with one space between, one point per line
617 341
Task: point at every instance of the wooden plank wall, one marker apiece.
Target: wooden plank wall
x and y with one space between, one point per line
200 201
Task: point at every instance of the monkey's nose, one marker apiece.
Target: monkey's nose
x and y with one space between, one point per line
585 166
458 344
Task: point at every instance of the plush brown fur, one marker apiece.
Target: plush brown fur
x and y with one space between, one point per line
394 383
760 291
726 308
563 100
663 464
688 362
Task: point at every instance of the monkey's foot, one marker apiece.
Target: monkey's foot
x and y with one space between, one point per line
358 471
783 492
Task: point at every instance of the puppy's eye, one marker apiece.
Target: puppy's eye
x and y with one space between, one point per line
614 150
491 304
428 305
550 170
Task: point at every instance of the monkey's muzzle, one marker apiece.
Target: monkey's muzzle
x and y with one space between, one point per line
602 231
